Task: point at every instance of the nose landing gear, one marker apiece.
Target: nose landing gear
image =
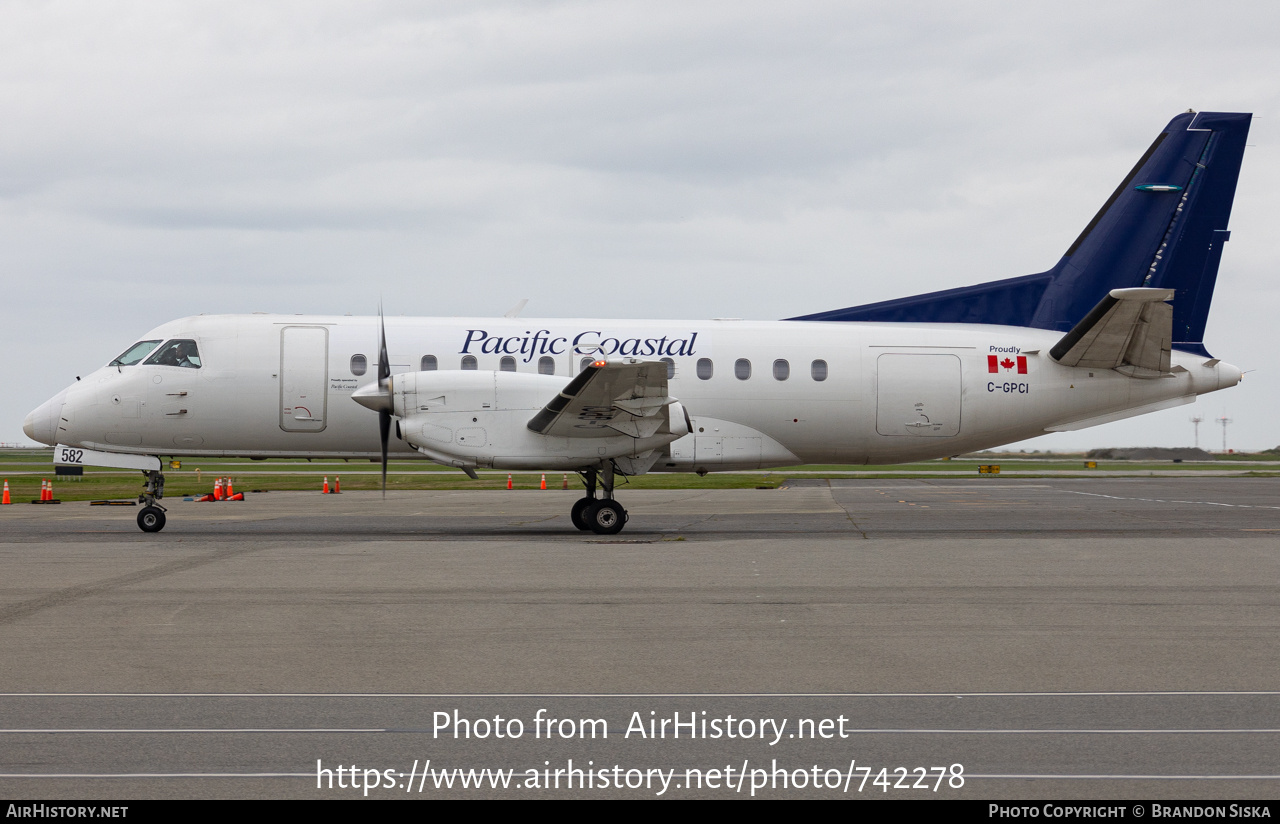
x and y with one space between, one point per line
151 517
603 516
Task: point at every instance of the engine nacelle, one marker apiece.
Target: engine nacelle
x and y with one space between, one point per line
480 419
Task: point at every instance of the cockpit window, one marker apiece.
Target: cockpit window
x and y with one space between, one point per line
177 353
135 353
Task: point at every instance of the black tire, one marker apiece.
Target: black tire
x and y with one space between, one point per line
606 517
579 513
151 519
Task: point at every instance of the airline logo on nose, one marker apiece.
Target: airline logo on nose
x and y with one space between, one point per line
996 364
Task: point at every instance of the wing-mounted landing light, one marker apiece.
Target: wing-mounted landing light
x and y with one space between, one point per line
378 396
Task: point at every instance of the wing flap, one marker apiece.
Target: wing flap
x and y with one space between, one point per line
607 398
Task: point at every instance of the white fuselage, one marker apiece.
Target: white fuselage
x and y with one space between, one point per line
281 385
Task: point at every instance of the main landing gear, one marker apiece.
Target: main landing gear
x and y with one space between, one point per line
151 516
603 516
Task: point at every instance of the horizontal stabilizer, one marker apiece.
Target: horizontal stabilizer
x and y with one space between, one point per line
608 398
1130 330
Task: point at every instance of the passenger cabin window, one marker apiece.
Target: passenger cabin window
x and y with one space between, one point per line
429 363
507 364
359 365
742 369
671 367
177 353
818 370
134 354
469 363
781 370
705 369
546 365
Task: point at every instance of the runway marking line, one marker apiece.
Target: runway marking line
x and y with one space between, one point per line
866 731
625 694
1163 501
1130 777
968 776
101 731
158 775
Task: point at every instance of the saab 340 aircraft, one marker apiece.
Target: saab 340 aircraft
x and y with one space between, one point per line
1115 329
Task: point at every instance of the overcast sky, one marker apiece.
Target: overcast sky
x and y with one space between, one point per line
630 159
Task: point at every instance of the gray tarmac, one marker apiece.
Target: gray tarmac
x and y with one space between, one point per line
1056 638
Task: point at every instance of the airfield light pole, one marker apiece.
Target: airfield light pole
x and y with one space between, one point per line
1224 420
1195 421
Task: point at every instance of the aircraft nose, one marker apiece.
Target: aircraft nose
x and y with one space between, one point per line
42 423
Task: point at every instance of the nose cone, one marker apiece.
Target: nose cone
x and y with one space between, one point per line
42 424
29 425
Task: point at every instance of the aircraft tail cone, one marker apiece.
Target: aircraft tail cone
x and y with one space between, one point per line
5 499
544 480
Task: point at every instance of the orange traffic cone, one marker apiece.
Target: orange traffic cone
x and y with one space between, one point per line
217 490
566 481
44 489
230 489
544 480
325 491
239 496
337 485
50 492
5 499
508 483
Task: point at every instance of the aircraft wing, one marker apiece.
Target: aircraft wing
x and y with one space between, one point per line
1130 330
608 397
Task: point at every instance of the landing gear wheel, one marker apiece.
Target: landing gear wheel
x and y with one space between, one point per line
579 513
151 519
606 517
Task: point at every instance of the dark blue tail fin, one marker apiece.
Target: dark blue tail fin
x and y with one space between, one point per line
1163 227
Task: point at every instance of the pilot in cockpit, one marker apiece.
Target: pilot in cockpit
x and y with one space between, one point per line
180 353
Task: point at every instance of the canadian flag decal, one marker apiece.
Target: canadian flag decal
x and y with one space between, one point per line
996 364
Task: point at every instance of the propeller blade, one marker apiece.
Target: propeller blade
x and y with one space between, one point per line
384 362
384 429
384 384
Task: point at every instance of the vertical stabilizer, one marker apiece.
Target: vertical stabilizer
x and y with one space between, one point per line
1163 227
